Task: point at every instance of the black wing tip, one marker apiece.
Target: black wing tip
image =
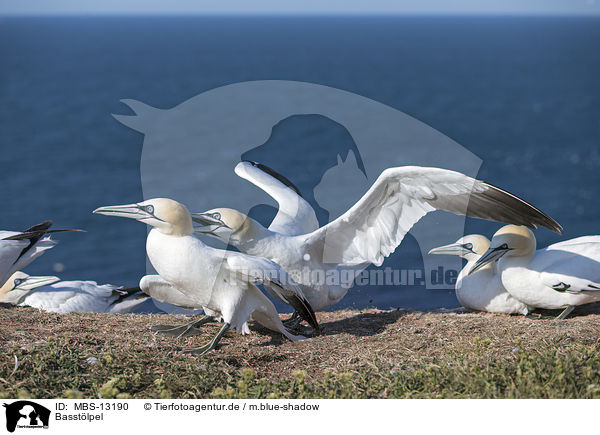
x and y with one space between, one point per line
273 173
531 216
35 235
42 226
63 230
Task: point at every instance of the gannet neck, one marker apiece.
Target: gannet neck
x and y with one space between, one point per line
180 219
249 232
473 260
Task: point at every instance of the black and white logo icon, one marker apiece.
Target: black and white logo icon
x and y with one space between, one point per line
26 414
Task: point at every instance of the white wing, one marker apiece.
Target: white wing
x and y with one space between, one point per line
275 280
571 244
373 228
295 215
163 291
71 296
572 266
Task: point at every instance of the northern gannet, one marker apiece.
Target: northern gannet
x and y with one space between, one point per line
49 293
221 281
560 276
371 229
482 291
295 216
18 249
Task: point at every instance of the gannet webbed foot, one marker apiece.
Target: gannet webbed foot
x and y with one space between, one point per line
565 312
188 330
203 350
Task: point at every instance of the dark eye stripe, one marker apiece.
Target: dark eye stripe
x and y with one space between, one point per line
150 210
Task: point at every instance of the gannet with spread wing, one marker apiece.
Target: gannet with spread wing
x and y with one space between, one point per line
371 229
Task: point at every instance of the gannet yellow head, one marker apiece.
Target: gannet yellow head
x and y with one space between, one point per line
221 223
510 241
468 247
22 281
166 215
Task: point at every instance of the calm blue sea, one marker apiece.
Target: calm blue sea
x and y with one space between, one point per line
521 93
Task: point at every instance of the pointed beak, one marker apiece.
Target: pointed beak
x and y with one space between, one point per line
492 254
452 249
205 223
132 211
33 282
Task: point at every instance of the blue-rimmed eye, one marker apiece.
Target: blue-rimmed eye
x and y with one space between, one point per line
149 209
504 246
469 246
18 282
217 216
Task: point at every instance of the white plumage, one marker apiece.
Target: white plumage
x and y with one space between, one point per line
483 290
48 293
295 215
221 281
560 276
371 229
19 249
17 254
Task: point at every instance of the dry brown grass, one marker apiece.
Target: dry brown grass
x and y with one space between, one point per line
368 353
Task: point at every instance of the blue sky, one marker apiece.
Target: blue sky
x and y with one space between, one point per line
546 7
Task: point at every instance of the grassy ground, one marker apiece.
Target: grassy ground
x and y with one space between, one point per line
362 354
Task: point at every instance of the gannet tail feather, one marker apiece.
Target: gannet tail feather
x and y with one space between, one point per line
127 302
129 290
272 276
301 305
